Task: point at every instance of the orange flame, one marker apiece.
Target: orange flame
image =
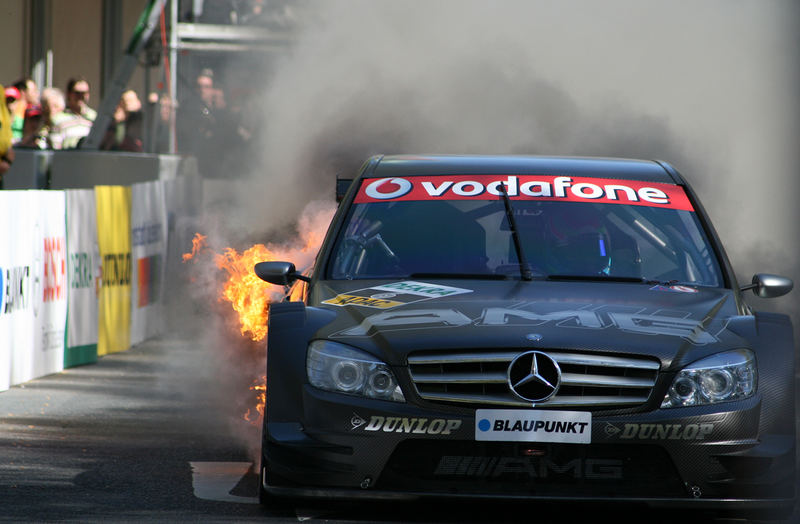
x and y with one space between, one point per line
259 385
198 244
248 295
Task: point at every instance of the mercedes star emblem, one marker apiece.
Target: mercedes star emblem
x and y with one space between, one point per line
534 376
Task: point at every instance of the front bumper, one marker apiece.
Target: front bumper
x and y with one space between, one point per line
704 458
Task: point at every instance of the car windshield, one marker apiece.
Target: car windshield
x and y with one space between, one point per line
472 238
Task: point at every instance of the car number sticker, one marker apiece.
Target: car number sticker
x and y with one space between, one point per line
395 294
525 425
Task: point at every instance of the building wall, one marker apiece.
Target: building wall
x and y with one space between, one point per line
76 35
77 43
12 41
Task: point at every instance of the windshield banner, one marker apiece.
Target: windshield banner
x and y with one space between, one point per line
524 187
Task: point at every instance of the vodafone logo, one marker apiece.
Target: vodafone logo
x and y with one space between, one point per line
525 187
381 189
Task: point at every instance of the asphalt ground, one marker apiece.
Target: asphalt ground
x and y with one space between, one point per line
149 435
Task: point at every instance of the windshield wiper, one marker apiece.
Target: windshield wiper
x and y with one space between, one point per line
472 276
524 267
596 278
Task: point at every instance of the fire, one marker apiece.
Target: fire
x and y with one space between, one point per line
198 244
259 385
250 296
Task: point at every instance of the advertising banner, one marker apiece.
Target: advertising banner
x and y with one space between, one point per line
149 252
50 270
114 243
17 329
84 278
5 320
16 265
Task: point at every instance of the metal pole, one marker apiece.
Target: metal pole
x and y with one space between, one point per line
173 74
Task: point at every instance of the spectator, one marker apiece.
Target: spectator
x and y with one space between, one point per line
6 148
67 132
115 134
13 97
34 135
29 92
200 117
77 118
53 106
161 138
52 112
78 99
132 141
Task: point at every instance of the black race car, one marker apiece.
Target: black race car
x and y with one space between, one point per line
527 327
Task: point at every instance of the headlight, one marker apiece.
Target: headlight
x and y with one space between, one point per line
718 378
336 367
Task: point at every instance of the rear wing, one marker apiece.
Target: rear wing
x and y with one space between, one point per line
342 185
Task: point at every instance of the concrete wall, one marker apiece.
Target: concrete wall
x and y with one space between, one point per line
85 169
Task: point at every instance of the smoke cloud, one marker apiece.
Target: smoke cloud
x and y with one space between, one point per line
709 86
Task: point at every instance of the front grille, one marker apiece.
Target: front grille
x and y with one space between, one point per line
588 380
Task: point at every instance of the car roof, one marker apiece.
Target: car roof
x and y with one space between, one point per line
617 168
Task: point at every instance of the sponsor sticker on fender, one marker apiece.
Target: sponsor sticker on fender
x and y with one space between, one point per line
525 425
674 289
395 294
408 425
524 187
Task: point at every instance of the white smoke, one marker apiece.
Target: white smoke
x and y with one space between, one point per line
710 86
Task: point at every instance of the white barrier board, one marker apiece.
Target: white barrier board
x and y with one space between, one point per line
149 253
20 286
50 269
84 268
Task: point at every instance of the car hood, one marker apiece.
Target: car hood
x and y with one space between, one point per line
390 319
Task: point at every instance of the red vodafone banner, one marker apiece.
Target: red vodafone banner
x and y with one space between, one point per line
524 187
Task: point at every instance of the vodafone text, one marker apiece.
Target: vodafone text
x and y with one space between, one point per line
487 187
542 188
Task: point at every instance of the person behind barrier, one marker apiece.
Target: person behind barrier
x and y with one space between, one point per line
29 92
78 99
68 132
13 99
116 133
201 123
34 134
164 105
53 105
6 147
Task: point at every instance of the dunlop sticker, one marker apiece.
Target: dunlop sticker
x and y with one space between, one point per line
395 294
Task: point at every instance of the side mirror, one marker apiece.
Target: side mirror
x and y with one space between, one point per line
769 286
278 273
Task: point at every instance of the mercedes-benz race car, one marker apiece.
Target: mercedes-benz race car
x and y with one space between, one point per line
527 327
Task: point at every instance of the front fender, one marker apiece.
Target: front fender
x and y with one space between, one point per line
292 326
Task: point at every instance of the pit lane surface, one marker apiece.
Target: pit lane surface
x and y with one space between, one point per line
145 436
